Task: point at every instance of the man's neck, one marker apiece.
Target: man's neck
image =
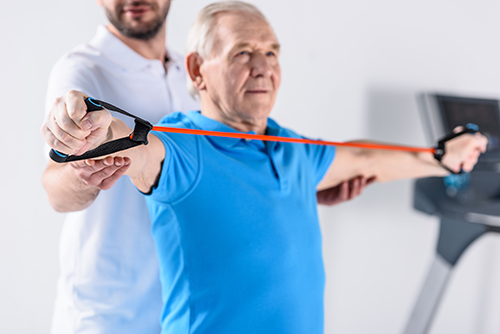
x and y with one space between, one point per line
256 125
153 48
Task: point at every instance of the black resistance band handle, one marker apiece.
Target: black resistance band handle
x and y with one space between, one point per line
138 137
470 128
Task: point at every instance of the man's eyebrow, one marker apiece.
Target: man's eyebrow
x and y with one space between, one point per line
241 45
274 46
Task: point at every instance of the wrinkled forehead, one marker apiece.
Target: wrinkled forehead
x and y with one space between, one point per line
238 28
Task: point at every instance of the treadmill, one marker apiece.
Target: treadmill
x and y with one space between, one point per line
467 205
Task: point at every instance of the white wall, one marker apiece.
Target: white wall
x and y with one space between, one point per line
350 69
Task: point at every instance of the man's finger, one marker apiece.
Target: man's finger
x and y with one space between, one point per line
343 192
64 145
51 129
75 106
107 183
99 122
85 168
82 163
371 180
96 119
67 112
354 186
107 176
482 141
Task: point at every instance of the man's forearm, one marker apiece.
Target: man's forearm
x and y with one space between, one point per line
66 191
380 164
391 166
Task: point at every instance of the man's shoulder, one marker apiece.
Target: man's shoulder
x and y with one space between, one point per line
76 69
81 56
179 145
176 119
274 127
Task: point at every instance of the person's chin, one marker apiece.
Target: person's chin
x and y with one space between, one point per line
262 97
144 18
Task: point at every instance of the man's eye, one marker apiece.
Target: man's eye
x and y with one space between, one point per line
244 53
271 54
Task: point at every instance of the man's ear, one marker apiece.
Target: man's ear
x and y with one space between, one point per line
193 66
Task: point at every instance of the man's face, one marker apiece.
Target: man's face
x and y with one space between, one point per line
242 76
139 19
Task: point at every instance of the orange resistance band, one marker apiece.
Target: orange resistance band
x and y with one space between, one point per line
291 140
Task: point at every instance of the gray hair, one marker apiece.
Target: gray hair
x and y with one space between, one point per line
202 33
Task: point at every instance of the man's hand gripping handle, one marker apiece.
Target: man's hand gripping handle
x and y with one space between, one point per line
138 137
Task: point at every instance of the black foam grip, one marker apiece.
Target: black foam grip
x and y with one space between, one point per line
91 106
104 149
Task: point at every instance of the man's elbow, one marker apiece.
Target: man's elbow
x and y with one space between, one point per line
54 201
58 206
59 198
62 205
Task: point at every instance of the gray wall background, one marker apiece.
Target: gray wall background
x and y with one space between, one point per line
351 69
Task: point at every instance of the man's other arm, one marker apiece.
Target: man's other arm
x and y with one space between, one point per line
461 153
344 191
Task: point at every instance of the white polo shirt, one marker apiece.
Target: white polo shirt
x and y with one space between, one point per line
109 280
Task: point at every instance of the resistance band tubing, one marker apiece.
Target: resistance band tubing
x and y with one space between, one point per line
290 140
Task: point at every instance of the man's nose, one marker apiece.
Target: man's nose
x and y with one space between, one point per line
261 65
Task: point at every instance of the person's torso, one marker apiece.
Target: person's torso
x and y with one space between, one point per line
109 271
238 238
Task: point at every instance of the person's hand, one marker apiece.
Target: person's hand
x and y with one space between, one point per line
69 129
103 173
462 152
344 191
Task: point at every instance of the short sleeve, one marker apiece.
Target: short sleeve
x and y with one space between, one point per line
320 157
181 166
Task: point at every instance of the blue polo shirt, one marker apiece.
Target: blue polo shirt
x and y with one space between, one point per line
236 229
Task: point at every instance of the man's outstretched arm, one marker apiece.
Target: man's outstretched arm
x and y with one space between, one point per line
462 153
68 128
71 187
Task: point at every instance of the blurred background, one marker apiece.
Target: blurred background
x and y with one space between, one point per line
351 69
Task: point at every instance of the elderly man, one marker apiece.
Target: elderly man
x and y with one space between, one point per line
235 221
109 280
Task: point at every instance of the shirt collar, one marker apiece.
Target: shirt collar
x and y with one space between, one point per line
205 123
120 53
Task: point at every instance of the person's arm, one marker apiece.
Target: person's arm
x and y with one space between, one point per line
462 152
145 160
345 191
71 187
71 130
74 186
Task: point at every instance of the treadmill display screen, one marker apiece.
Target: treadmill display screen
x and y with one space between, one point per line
484 113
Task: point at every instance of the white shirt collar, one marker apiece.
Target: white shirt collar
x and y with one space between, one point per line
118 52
